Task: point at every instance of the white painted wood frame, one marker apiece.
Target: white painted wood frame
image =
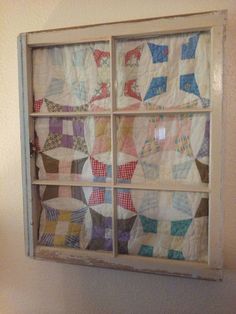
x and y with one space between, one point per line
208 21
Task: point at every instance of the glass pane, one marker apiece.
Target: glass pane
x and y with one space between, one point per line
74 148
162 72
76 217
173 147
72 78
171 225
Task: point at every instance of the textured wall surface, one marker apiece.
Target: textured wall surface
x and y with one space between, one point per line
28 286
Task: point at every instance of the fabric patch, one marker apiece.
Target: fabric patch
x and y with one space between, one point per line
178 255
159 52
181 202
157 87
132 57
77 192
151 171
37 105
101 239
102 91
62 227
102 58
51 165
189 49
55 87
124 199
181 170
180 227
183 145
53 141
146 250
79 90
51 191
124 227
151 146
54 107
77 165
131 89
204 150
99 196
125 139
126 171
203 171
188 84
203 208
149 225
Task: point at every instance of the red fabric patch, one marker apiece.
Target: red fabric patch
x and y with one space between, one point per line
99 169
99 55
126 171
38 104
102 93
124 200
134 53
97 196
131 89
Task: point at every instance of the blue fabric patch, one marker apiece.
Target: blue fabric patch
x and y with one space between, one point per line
79 90
189 49
47 239
120 180
181 202
172 254
180 227
72 241
79 57
77 216
146 250
109 171
107 198
149 225
181 170
159 53
99 179
188 84
157 87
51 213
55 87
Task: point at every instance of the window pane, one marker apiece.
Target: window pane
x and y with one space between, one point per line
76 217
72 78
171 225
173 147
164 72
74 148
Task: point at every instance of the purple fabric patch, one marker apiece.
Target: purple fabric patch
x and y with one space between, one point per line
67 141
55 126
78 128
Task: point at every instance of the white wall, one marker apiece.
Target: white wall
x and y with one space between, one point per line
28 286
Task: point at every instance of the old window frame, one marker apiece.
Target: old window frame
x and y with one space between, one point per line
213 22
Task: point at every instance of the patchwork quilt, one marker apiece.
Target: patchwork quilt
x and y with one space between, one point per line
154 73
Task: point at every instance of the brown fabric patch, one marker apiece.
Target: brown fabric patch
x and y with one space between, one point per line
51 165
50 192
78 193
77 165
203 171
203 208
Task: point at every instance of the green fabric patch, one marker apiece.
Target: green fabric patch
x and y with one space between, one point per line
172 254
180 227
146 250
149 225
